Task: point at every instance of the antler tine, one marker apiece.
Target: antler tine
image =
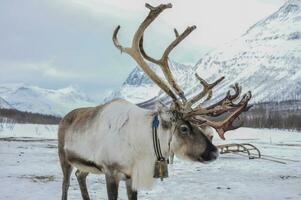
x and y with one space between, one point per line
150 6
179 38
221 108
153 14
116 41
207 88
237 90
227 124
176 32
229 98
157 8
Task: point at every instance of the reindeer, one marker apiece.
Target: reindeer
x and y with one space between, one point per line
115 139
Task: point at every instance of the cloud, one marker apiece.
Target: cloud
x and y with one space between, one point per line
48 70
217 21
58 43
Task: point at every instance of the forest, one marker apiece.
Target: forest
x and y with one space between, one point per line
21 117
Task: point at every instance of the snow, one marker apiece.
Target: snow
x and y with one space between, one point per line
138 94
30 169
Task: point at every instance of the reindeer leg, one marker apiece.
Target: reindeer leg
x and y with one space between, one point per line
132 194
67 169
81 178
112 187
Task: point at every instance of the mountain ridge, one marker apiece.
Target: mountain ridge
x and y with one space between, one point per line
34 99
138 87
265 60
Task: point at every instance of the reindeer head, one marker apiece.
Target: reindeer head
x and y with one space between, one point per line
190 142
187 115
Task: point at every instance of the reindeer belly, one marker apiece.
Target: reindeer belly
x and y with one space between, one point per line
91 167
97 154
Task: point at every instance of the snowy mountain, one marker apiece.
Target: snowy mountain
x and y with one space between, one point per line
265 60
138 87
46 101
4 104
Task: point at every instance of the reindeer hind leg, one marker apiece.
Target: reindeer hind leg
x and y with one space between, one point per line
81 178
67 169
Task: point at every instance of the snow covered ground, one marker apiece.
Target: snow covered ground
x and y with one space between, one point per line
29 169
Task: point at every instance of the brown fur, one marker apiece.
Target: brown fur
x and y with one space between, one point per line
77 117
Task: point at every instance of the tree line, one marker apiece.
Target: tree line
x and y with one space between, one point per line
23 117
282 115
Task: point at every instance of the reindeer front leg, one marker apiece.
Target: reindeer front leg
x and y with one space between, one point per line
132 194
112 186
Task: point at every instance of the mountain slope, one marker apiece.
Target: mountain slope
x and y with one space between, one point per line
138 87
265 60
4 104
46 101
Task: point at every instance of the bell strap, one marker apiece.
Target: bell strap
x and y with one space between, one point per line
156 141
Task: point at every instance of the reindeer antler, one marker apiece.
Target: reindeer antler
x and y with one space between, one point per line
207 89
163 61
199 114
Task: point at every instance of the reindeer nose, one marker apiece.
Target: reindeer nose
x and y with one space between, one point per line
210 154
213 155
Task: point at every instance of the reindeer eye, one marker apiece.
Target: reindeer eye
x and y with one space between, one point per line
184 129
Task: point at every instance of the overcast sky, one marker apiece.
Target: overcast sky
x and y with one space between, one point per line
58 43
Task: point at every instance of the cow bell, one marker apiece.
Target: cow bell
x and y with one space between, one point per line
161 169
